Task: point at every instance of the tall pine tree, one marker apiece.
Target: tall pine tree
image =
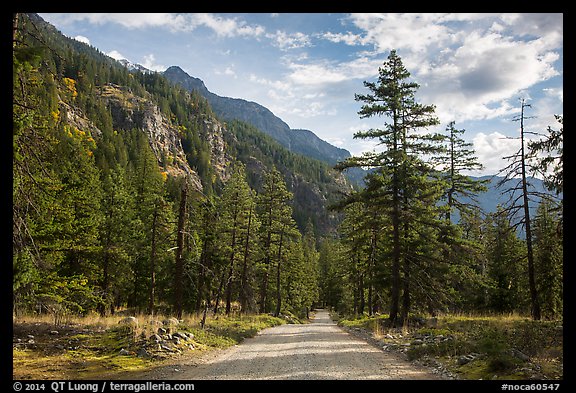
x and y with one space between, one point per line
405 180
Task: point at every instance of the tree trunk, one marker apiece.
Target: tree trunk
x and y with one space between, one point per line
406 293
278 291
152 289
535 303
244 276
205 276
219 294
396 251
231 269
179 273
264 288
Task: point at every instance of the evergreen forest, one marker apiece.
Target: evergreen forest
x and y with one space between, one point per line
129 193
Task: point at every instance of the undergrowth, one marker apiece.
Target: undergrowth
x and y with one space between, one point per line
507 346
93 347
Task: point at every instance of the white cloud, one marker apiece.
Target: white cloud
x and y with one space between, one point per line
315 74
285 41
174 22
555 93
116 55
411 32
320 73
228 71
225 27
83 39
348 38
484 72
535 24
276 84
150 63
336 141
491 148
468 65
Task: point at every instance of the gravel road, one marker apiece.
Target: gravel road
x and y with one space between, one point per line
319 350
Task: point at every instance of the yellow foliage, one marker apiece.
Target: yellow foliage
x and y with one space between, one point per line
71 85
164 175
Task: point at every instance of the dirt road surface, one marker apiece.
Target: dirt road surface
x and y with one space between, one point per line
319 350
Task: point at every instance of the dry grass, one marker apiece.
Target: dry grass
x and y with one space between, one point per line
147 324
498 338
89 347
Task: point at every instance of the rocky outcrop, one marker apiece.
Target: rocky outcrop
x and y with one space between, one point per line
214 134
76 118
130 111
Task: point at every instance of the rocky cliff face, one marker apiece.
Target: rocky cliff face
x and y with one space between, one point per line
214 134
130 111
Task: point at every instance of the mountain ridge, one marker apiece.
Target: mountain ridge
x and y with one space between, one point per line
296 140
303 141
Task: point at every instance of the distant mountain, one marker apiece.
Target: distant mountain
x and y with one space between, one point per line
304 142
134 66
488 201
307 143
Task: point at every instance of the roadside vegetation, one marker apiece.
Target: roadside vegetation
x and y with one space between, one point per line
95 347
472 346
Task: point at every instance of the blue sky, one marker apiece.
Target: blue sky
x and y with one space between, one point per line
306 67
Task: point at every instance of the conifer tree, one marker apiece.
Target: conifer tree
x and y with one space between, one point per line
405 177
505 254
237 229
550 165
154 223
548 259
457 158
115 236
275 215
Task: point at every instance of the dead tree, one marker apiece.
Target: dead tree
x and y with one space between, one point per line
518 202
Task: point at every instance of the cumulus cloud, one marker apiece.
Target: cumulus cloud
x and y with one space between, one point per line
412 32
116 55
225 27
484 73
129 20
491 148
149 62
83 39
468 65
286 41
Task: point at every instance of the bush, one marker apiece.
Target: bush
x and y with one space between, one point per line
502 362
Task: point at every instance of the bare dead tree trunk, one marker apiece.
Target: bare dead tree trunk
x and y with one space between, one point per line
535 304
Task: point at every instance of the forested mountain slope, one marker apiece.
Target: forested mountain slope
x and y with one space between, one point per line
111 163
299 141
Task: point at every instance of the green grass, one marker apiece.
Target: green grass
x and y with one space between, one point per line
227 331
493 339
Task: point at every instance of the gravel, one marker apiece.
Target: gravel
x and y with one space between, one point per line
319 350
